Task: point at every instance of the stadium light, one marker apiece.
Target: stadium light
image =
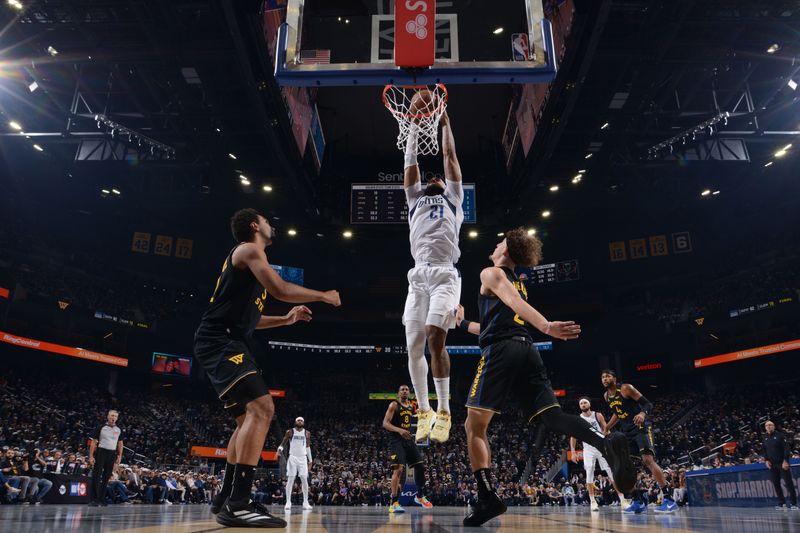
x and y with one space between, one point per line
292 232
773 48
38 148
105 191
554 188
16 4
604 126
531 231
473 234
498 30
246 182
715 193
52 51
545 213
232 156
267 188
588 156
582 171
769 164
115 191
14 125
780 153
500 234
577 179
705 192
347 234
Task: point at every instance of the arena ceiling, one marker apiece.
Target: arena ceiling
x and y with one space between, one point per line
192 76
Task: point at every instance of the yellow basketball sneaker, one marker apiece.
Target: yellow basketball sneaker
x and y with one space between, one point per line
396 508
424 423
441 429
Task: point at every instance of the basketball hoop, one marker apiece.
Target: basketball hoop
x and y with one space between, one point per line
415 112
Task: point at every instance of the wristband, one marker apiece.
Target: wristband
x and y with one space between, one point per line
464 325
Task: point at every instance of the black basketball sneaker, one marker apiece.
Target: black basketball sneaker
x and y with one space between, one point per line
250 515
484 510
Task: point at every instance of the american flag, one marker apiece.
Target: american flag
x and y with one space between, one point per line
315 57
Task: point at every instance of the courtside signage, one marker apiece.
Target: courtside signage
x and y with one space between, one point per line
4 293
221 453
748 354
62 350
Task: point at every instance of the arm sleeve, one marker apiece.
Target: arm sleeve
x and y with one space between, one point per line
455 189
413 193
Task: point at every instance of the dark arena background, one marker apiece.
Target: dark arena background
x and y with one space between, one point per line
651 145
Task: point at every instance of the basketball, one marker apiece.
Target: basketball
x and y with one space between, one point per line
423 102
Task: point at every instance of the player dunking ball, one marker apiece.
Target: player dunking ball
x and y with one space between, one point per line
630 411
435 215
299 462
591 455
511 364
403 450
220 344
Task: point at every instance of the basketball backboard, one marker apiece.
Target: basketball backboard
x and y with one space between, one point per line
352 42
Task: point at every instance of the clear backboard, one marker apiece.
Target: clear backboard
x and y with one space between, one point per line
352 42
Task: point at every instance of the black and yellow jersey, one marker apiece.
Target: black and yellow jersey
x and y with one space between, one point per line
235 305
403 417
498 321
625 409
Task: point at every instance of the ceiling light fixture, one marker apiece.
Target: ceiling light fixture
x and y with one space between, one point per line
705 192
769 164
715 193
588 156
604 126
780 153
232 156
473 234
500 234
16 4
773 48
347 234
498 30
246 183
292 232
554 188
52 51
14 125
576 180
582 171
115 191
38 148
531 231
545 213
267 188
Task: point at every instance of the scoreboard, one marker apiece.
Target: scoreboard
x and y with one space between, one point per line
385 203
550 273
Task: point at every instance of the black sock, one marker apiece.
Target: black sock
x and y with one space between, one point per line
666 490
484 479
242 483
572 425
227 482
395 497
419 479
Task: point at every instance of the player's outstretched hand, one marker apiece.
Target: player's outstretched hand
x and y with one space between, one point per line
299 313
563 330
459 313
332 298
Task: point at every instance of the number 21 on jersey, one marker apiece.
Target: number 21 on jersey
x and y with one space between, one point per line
437 211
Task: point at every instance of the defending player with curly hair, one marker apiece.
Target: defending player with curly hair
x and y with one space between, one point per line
525 250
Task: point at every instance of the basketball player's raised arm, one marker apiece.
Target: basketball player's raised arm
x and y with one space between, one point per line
256 261
495 280
297 314
452 169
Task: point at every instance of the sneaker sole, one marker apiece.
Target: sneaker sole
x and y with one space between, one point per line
618 449
236 522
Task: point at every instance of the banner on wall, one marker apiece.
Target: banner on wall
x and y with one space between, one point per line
80 353
736 486
747 354
220 453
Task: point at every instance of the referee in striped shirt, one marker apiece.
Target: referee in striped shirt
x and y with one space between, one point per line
105 453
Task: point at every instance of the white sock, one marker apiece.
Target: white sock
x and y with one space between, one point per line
418 367
442 393
304 483
289 487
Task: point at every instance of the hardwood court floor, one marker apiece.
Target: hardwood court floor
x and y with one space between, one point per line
198 519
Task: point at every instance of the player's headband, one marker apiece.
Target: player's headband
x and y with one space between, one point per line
607 371
299 419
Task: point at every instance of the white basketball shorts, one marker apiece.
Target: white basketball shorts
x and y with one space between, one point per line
590 455
434 293
296 466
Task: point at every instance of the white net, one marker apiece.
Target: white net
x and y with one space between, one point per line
420 108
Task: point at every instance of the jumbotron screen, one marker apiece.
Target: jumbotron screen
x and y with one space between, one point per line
171 365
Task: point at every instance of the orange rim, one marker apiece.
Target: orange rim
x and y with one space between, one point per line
410 116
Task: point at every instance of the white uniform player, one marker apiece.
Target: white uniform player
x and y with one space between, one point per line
298 461
435 215
592 455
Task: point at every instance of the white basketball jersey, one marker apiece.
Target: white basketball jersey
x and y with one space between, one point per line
435 222
591 419
297 447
